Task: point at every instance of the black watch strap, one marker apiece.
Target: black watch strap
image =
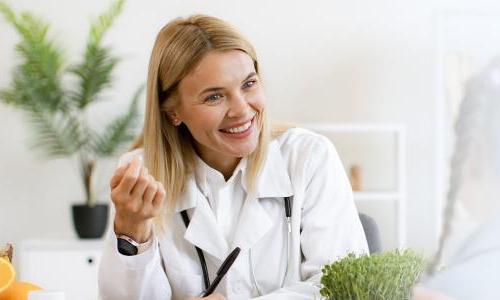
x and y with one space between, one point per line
126 248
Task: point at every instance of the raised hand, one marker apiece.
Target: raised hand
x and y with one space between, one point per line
137 197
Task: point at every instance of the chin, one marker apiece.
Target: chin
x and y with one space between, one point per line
242 152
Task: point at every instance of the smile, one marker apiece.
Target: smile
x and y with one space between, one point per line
239 129
240 132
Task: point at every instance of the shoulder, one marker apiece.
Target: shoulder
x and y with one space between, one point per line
128 156
304 151
303 141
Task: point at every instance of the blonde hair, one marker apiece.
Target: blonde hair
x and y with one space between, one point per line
168 149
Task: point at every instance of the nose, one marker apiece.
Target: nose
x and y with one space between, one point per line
238 106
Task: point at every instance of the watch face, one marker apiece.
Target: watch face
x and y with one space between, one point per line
126 248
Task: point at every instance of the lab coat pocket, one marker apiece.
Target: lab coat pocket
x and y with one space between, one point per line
185 284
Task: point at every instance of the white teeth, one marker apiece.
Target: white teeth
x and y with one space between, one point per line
239 129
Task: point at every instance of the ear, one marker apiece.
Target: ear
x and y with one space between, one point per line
173 117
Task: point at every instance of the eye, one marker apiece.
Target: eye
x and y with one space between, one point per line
249 83
213 97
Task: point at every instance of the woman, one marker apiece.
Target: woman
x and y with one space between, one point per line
210 177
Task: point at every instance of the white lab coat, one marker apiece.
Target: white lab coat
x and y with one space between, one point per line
325 227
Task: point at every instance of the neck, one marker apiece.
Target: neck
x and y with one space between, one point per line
226 165
222 163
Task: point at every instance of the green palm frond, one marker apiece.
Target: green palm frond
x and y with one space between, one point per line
56 135
95 71
94 75
57 115
41 65
104 22
8 13
119 131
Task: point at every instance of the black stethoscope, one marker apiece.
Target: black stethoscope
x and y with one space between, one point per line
201 256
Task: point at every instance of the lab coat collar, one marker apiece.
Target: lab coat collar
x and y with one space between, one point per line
254 223
204 232
274 183
189 198
274 180
206 175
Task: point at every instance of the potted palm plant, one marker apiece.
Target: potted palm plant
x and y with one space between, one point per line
55 97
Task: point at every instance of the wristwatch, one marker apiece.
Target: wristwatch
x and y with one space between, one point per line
127 246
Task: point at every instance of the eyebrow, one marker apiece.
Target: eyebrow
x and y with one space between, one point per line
214 89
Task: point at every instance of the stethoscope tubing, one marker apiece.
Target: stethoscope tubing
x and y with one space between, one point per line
203 263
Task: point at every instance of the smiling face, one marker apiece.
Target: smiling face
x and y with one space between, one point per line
221 101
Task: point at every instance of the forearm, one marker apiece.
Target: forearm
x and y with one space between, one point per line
132 277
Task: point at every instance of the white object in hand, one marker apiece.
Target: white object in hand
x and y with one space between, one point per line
128 157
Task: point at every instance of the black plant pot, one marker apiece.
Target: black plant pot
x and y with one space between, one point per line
90 221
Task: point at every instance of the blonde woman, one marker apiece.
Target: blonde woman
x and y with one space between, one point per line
208 176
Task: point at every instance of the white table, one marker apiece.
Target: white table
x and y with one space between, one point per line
65 265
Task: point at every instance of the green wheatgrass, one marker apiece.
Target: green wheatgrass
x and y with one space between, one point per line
385 276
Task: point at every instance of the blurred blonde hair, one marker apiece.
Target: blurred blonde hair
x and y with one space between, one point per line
168 150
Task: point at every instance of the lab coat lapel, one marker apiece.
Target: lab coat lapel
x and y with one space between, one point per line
273 182
202 231
254 224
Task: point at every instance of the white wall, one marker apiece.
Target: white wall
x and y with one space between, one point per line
330 61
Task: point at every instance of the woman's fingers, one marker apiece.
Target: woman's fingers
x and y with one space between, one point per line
160 195
133 197
153 198
141 184
135 192
150 191
131 175
148 196
117 176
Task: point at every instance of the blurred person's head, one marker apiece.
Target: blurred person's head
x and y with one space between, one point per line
479 128
474 188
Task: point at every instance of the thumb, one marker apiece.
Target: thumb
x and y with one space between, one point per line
117 176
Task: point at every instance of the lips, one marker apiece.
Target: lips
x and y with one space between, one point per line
239 128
